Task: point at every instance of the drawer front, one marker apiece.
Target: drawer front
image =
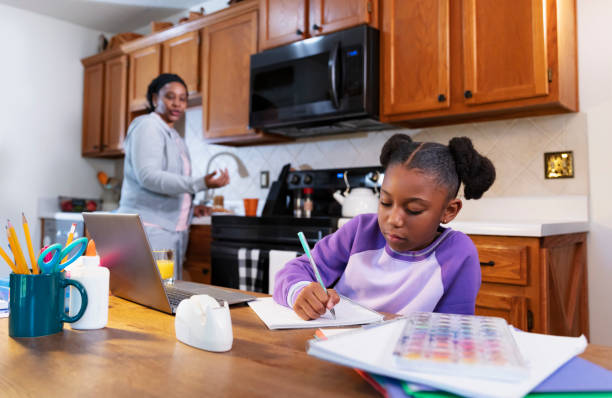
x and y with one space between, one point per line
199 242
511 307
503 263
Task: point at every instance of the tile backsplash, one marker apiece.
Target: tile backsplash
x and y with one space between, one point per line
516 147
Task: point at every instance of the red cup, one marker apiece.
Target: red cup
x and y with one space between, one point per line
250 207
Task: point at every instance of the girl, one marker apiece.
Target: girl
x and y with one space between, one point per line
403 260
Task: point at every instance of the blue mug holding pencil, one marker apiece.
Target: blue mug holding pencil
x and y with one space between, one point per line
37 304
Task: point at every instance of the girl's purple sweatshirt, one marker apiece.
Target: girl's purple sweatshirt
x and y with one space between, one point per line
444 277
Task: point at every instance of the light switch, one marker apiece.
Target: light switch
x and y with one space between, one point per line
264 179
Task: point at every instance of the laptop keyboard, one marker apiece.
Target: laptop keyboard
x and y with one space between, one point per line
175 296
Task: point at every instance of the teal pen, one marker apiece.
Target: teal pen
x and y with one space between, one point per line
314 266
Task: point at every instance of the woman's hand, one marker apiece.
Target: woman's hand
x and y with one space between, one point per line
313 301
201 211
217 182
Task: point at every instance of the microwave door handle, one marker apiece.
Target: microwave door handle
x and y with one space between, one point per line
332 71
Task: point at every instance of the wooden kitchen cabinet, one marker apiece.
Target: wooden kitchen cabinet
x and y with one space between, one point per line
115 105
93 108
536 284
212 55
326 16
284 22
415 77
104 107
197 267
145 65
181 56
452 61
226 48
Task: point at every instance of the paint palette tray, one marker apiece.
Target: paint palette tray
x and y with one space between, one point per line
466 345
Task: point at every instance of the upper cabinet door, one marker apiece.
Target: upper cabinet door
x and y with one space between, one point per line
282 22
145 65
415 56
504 50
330 15
115 105
93 100
227 47
181 56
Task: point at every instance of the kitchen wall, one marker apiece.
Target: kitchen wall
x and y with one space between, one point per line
40 108
595 66
209 7
515 146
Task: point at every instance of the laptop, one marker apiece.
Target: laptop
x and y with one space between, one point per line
124 249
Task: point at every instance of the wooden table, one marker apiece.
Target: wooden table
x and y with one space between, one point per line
137 354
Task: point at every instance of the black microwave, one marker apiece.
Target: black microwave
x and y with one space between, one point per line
322 85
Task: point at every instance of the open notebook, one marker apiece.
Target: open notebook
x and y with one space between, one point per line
276 316
371 349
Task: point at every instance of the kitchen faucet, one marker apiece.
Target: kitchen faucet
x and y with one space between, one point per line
242 171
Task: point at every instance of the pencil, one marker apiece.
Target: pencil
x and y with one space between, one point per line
26 231
19 258
9 261
69 240
314 266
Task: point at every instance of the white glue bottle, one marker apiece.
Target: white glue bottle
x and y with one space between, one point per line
95 279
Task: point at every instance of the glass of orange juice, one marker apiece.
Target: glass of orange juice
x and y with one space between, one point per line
165 263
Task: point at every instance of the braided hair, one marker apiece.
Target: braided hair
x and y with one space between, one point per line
452 164
158 83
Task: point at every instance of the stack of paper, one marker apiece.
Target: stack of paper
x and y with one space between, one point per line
372 349
276 316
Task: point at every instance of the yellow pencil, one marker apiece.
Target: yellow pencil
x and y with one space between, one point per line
26 231
19 258
18 266
69 240
8 260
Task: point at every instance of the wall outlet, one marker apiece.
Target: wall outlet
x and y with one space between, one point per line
264 179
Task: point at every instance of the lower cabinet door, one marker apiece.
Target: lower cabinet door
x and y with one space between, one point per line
510 307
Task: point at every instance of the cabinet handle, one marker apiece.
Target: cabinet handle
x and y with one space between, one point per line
467 94
95 147
299 32
316 27
529 320
205 271
441 98
488 263
104 146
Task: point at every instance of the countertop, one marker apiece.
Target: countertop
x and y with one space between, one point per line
534 217
519 228
514 228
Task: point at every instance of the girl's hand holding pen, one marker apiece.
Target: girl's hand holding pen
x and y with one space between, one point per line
313 301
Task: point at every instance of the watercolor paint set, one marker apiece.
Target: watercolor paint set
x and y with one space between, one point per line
463 345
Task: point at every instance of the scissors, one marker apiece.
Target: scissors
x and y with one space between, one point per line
54 264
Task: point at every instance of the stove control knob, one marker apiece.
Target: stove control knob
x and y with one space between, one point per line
295 179
307 179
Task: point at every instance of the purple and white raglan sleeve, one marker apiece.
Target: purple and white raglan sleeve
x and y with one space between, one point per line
458 259
331 254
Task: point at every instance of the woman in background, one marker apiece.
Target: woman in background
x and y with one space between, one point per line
157 180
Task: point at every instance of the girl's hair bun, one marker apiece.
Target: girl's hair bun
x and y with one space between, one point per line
475 171
397 141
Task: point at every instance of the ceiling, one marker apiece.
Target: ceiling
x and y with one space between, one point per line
111 16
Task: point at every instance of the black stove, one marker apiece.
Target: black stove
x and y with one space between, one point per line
277 228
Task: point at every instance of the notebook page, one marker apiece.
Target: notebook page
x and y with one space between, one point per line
277 316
